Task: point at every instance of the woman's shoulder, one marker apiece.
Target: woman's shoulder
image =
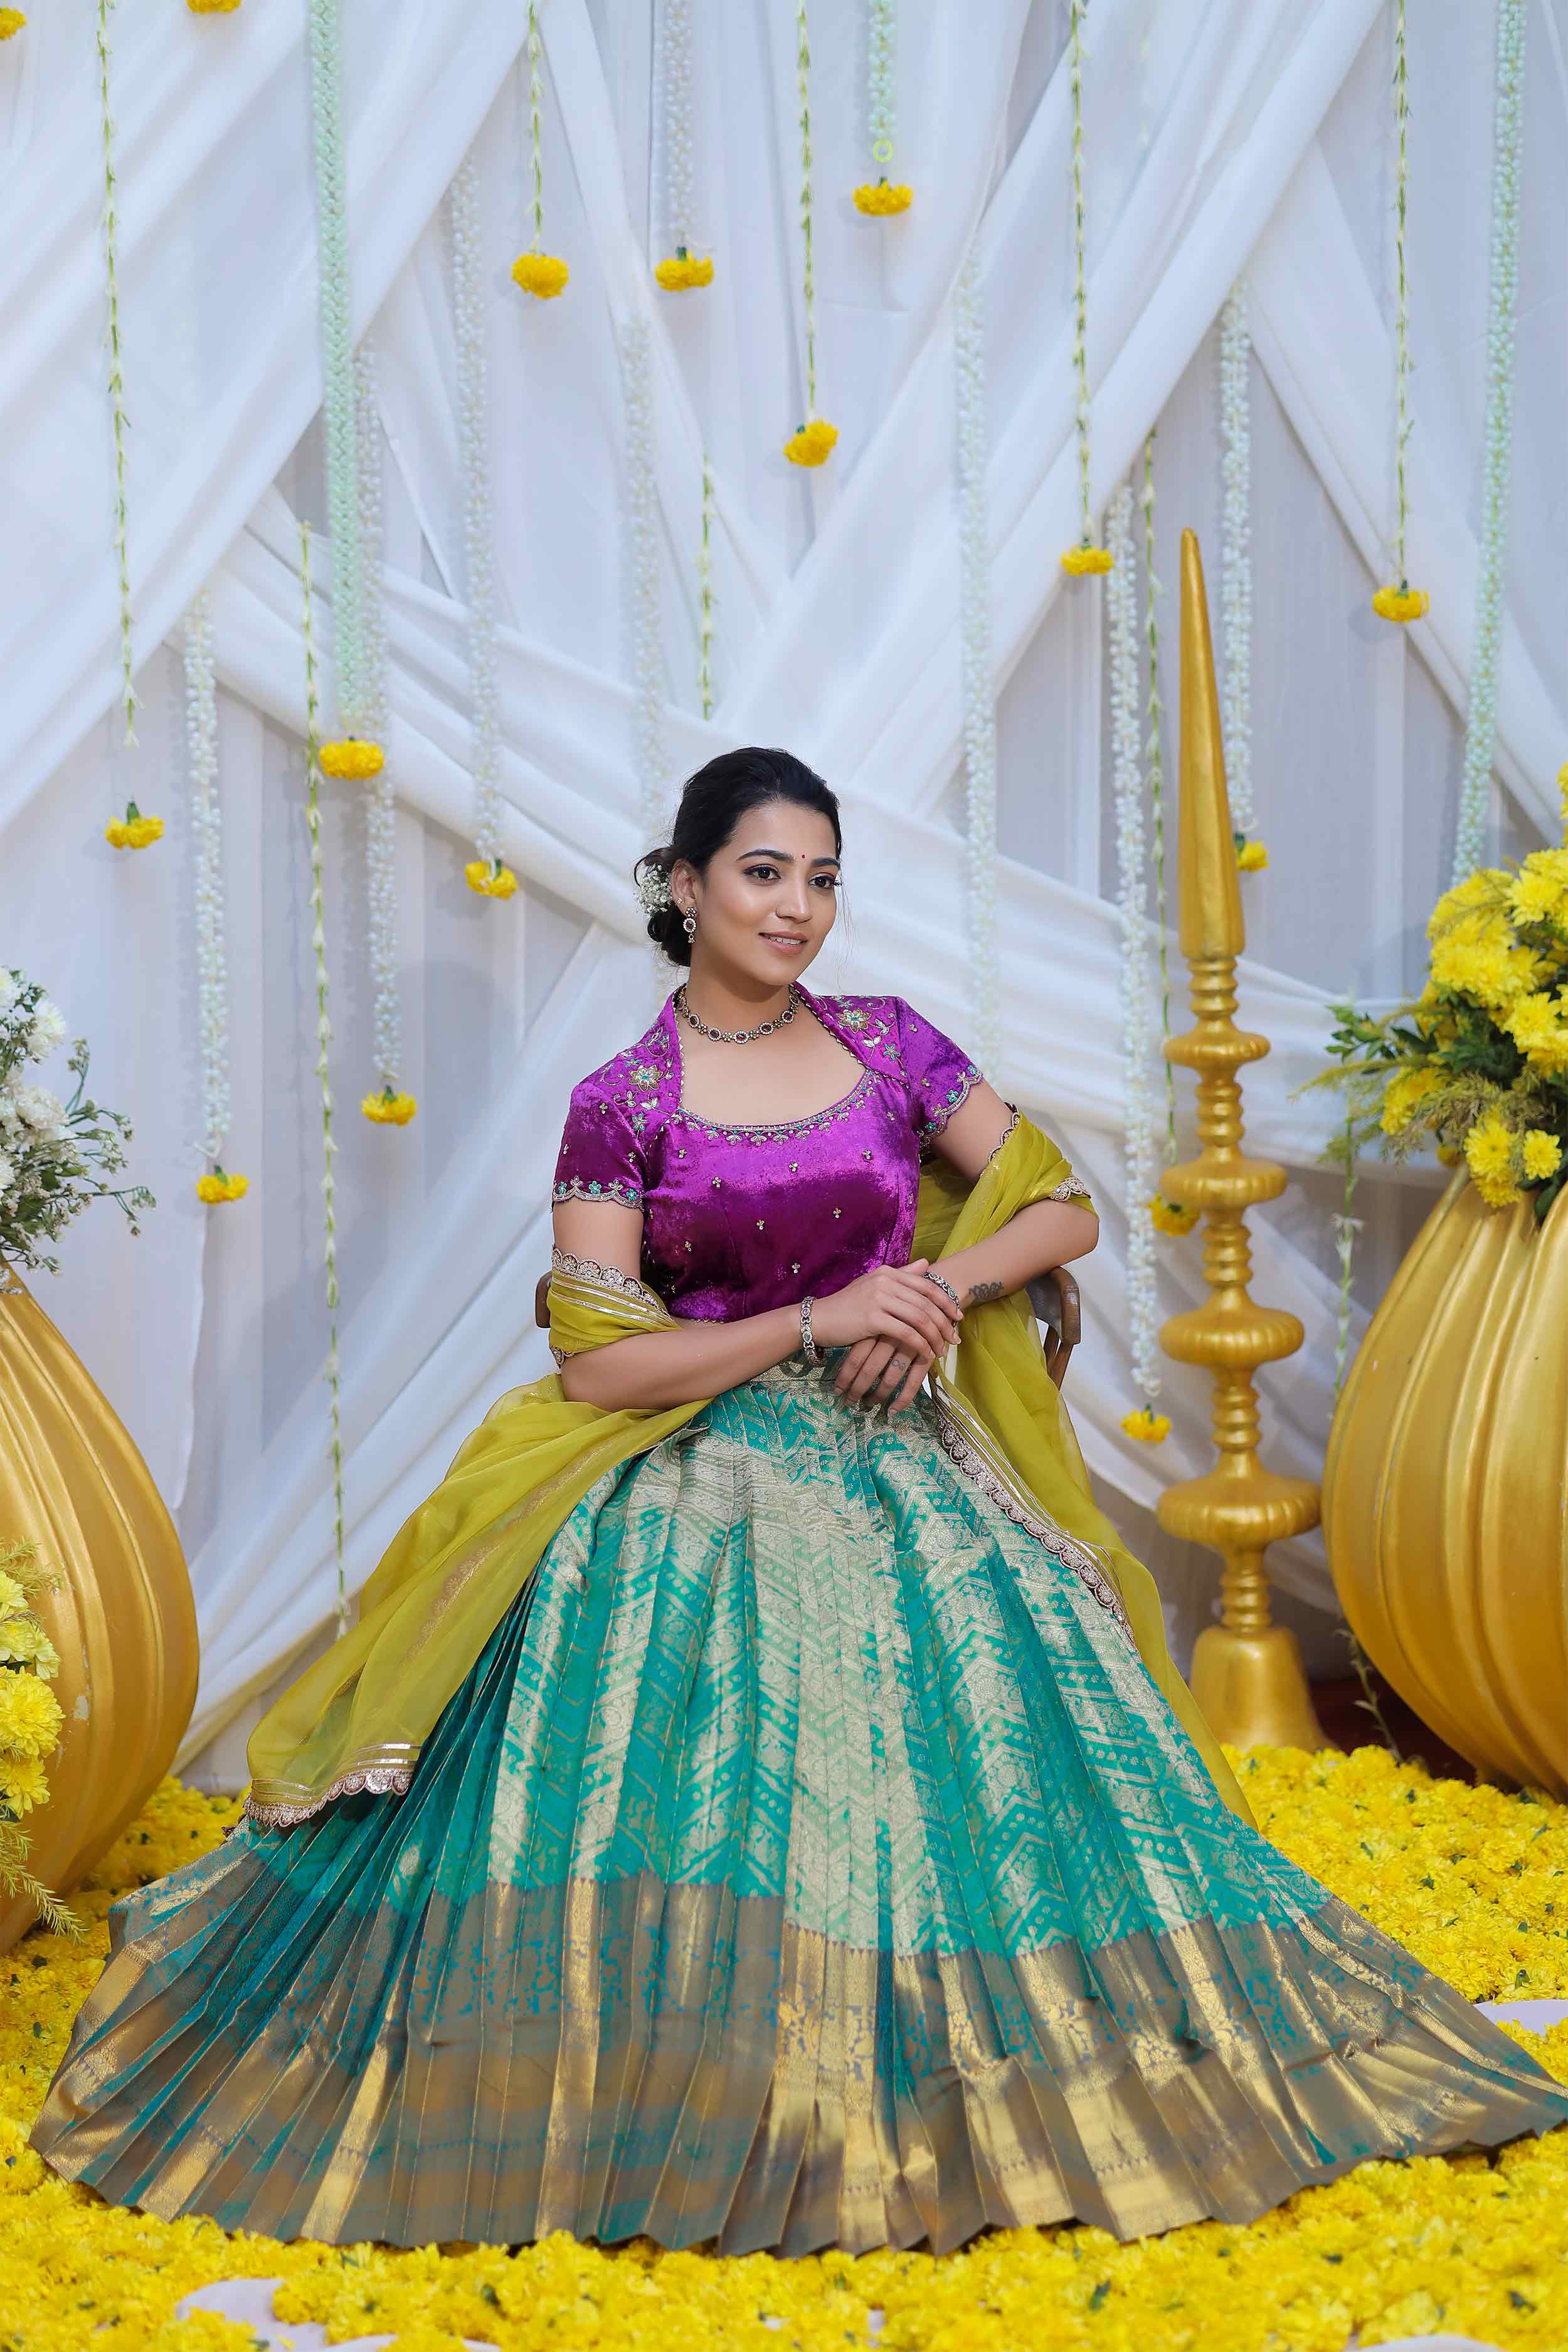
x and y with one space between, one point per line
635 1078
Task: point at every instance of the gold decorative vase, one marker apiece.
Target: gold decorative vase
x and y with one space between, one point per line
1444 1490
123 1619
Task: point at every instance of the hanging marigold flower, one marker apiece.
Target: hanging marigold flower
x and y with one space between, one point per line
1401 604
1085 558
134 831
213 8
680 270
389 1108
1252 857
1170 1217
489 877
543 274
11 22
220 1185
355 757
883 195
811 444
1151 1428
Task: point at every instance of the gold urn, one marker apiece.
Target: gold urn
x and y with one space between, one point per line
1444 1490
122 1618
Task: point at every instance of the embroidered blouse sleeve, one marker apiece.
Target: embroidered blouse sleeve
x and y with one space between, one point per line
600 1156
937 1073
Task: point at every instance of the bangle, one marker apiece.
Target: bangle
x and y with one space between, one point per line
942 1282
808 1346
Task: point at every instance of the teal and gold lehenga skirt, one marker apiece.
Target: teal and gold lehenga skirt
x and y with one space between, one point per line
808 1860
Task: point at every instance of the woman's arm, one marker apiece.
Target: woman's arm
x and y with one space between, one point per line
653 1369
1047 1234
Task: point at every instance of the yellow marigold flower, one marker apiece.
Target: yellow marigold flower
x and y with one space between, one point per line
134 831
1476 891
1170 1217
1401 604
811 444
1542 1154
1563 789
1451 1156
355 758
1085 558
1489 1152
212 7
1537 1025
221 1186
13 1595
543 274
1403 1094
24 1783
24 1643
1151 1428
1539 891
883 195
1252 857
11 22
680 271
489 877
30 1716
389 1108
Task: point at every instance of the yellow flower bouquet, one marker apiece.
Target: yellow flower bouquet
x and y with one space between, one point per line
30 1722
1477 1064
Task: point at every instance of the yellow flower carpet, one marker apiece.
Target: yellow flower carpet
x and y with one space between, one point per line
1474 1881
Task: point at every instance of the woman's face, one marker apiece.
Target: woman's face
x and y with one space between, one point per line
768 899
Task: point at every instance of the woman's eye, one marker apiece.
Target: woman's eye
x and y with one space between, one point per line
828 881
762 873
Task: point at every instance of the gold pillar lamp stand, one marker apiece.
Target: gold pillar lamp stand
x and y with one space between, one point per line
1246 1672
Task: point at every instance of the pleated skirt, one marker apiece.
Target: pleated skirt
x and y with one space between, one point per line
808 1860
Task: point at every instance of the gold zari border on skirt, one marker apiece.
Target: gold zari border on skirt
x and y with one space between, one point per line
622 2059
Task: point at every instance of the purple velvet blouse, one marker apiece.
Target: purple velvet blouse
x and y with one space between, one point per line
740 1219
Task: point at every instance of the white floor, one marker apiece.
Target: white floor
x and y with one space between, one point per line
251 2299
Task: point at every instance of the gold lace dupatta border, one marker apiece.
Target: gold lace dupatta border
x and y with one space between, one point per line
355 1720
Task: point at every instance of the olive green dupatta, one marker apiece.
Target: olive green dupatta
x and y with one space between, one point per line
356 1719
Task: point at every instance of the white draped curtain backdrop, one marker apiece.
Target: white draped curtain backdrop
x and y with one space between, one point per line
1220 136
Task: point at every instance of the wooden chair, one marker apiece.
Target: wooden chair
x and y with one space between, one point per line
1054 1297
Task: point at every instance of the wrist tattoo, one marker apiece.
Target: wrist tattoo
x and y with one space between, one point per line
979 1292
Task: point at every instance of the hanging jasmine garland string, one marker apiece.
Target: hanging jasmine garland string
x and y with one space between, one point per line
485 872
1236 570
1142 1145
1480 725
979 694
216 1184
811 444
642 531
1167 1216
1086 556
682 270
536 271
1398 601
116 370
323 1069
705 592
385 1105
881 195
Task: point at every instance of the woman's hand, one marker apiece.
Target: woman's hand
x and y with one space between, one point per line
894 1322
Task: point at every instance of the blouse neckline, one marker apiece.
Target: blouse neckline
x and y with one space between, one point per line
764 1127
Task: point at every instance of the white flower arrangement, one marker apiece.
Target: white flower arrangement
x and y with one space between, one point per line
54 1156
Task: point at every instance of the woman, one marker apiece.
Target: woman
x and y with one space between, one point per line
756 1806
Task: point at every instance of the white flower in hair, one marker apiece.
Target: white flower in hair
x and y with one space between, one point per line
653 889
